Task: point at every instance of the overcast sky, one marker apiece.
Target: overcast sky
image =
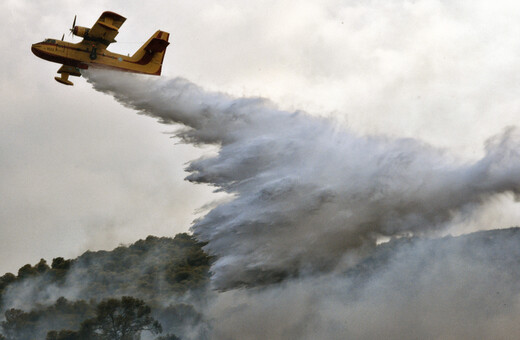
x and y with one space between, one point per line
79 171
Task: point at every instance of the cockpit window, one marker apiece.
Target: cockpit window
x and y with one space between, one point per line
50 41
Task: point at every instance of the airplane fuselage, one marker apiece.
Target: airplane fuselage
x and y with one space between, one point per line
84 56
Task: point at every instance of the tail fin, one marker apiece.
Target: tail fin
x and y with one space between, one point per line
152 53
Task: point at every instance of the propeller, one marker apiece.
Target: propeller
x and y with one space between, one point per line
73 25
63 37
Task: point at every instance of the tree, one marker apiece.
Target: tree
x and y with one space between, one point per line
6 279
26 271
16 324
123 319
65 334
41 267
87 331
60 263
168 337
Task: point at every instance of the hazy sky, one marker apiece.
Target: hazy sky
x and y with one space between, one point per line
78 171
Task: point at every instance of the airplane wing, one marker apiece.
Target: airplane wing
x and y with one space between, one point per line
106 28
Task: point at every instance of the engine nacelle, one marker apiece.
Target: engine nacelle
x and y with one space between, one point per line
80 31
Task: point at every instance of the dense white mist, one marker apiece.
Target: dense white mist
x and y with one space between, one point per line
308 195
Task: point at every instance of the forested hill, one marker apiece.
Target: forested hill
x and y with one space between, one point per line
167 279
153 268
160 271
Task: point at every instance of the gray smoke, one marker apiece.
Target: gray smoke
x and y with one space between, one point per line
451 288
309 196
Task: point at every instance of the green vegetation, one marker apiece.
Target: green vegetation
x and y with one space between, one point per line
28 325
161 284
115 319
141 281
149 269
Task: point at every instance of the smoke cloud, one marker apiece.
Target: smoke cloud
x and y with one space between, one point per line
450 288
307 195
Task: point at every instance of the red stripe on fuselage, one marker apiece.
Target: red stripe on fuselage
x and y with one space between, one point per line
58 59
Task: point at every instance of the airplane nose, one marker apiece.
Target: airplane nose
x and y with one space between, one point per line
35 48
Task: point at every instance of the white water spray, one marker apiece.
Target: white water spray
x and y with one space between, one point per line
308 194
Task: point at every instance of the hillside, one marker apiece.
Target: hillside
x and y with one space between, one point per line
475 275
161 271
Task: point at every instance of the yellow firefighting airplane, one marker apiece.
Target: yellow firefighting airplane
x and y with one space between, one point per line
92 51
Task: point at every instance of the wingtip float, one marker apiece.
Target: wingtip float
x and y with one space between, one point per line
92 50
